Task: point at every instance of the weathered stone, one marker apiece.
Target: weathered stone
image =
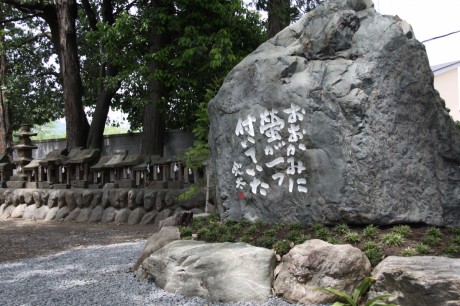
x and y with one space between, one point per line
39 198
52 213
157 241
418 280
96 214
61 199
171 197
2 208
86 198
62 213
150 198
140 197
136 216
7 212
9 196
108 215
149 218
132 196
197 201
122 216
326 123
41 212
165 213
84 215
18 211
28 197
180 218
105 201
78 194
160 200
73 215
53 198
113 198
71 200
223 272
97 198
29 212
318 264
122 200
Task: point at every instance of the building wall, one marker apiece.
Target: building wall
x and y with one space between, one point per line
447 83
177 142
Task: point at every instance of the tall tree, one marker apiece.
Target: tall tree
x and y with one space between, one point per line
6 136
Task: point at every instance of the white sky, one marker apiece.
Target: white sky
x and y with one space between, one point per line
429 19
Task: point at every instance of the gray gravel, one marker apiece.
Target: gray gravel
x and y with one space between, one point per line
88 276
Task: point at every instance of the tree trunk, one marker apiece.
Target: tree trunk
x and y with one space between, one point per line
278 16
6 133
154 117
76 123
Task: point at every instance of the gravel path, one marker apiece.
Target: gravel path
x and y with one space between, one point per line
95 275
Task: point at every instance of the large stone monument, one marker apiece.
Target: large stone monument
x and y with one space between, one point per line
335 119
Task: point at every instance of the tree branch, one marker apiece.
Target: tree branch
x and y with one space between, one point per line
5 21
92 19
32 39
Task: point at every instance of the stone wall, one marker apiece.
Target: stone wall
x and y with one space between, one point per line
132 206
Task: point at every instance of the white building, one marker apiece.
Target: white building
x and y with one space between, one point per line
447 82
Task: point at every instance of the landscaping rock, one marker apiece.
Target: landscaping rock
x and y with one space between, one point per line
335 119
180 218
52 213
53 198
2 208
62 213
149 218
150 198
41 212
18 211
160 200
136 216
71 200
96 214
219 272
28 197
108 215
7 212
73 215
97 198
29 212
84 215
418 280
157 241
86 198
61 199
122 216
318 264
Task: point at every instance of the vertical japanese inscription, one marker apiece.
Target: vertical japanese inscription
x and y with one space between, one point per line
281 152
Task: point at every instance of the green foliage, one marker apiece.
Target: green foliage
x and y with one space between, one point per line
247 239
394 239
341 229
403 230
409 251
370 231
266 241
192 191
296 226
422 248
452 250
358 293
185 232
333 240
433 231
457 123
431 240
320 231
374 255
352 237
282 247
456 239
455 230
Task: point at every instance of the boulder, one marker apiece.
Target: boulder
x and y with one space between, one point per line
2 208
150 198
52 213
86 198
84 215
62 213
326 123
318 264
61 198
108 215
165 213
105 201
53 198
220 272
39 197
29 212
97 198
71 200
28 197
157 241
136 216
180 218
160 200
139 197
41 212
7 212
122 216
73 215
149 217
418 280
18 211
96 214
132 196
197 201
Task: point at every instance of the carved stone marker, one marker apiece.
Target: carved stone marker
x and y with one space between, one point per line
335 119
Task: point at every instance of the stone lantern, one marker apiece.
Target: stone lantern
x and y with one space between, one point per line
23 157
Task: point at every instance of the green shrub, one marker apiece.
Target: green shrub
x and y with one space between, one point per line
433 231
408 252
352 237
296 226
333 240
252 229
393 239
455 231
301 239
422 248
293 234
266 241
321 233
185 232
220 229
431 240
374 255
282 247
403 230
452 250
246 239
214 217
317 226
456 239
235 229
278 226
370 231
369 245
341 229
226 238
271 232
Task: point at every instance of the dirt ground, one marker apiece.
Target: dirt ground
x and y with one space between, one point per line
21 239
